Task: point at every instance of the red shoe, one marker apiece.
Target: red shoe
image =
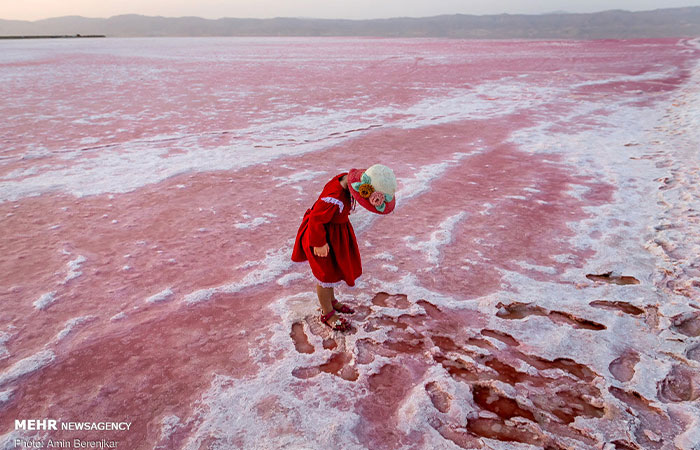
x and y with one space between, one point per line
343 307
339 325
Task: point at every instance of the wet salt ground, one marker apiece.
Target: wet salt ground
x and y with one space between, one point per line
535 287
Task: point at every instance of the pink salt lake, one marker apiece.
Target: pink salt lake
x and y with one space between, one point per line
529 287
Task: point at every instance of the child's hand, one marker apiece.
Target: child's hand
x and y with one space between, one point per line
321 251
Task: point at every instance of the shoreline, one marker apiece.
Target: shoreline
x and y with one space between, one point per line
65 36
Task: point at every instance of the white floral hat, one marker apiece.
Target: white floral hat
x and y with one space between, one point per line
374 188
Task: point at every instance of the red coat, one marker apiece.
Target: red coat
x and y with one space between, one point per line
327 222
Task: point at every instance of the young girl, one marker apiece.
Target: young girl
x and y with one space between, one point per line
326 238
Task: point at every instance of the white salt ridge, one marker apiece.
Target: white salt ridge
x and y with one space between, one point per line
4 337
438 238
390 268
72 323
418 184
289 278
118 316
646 76
169 425
384 256
73 267
275 263
45 300
5 396
27 365
89 140
161 296
256 222
142 159
299 179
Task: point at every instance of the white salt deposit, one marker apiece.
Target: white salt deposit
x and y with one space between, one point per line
4 338
289 278
45 300
118 316
275 263
161 296
71 324
256 222
383 256
5 396
27 365
73 267
169 425
439 238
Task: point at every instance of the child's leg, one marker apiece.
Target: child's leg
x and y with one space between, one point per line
325 298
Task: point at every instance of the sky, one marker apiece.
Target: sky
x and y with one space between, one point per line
343 9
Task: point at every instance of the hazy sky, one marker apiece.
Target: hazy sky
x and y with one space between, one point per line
348 9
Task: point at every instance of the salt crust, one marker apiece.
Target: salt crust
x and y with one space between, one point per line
439 238
27 365
4 337
143 162
161 296
71 324
45 300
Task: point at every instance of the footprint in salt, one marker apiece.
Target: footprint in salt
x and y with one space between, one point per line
610 277
682 384
622 368
693 353
652 426
301 341
515 311
618 306
441 399
489 399
338 364
687 323
399 301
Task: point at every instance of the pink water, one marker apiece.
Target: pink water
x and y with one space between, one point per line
527 289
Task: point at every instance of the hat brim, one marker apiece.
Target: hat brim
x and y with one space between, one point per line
354 176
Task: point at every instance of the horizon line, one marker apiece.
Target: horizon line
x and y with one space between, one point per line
553 13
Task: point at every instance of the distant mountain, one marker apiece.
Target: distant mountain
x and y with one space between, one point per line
672 22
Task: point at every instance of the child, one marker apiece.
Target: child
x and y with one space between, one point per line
326 238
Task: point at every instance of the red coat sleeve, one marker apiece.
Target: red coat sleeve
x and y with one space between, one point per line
320 214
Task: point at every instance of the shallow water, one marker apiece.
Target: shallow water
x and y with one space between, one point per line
535 287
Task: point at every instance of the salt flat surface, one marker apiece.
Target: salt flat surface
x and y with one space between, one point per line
536 287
